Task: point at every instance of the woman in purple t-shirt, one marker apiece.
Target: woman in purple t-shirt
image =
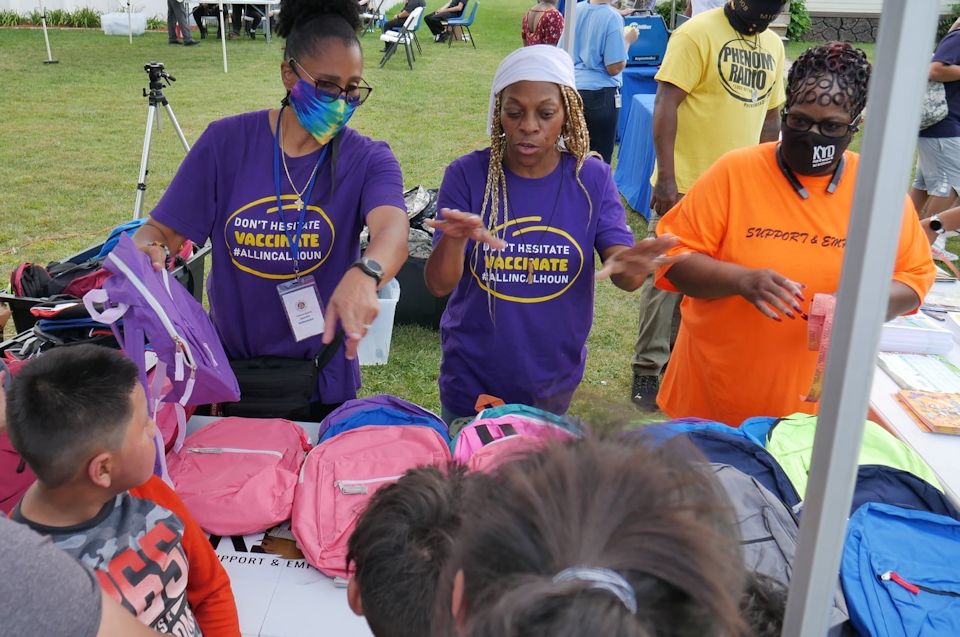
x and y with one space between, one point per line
520 269
283 195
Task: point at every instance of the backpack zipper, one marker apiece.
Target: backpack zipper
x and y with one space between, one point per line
893 576
219 450
183 350
359 487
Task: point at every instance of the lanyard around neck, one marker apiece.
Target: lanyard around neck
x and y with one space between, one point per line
293 238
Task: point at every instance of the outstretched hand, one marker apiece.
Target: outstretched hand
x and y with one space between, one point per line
464 225
353 306
640 260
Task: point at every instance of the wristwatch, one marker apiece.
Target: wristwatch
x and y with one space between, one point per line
936 225
370 267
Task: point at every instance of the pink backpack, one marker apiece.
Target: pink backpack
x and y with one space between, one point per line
487 443
237 475
340 476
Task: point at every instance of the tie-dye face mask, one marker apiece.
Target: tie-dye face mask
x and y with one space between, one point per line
321 118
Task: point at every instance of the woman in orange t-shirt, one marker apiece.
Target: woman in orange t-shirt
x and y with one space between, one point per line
765 228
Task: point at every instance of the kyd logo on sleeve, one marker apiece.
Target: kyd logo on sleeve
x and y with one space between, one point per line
538 264
259 239
747 70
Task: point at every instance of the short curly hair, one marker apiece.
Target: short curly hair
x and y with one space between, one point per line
820 68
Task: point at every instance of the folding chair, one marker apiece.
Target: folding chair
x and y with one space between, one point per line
463 23
407 36
371 19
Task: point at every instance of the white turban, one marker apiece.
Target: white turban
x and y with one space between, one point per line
538 63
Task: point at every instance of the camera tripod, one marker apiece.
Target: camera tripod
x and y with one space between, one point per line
156 99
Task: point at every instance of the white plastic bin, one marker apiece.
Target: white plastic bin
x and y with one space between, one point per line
117 23
374 348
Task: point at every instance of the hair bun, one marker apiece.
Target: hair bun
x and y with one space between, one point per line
296 13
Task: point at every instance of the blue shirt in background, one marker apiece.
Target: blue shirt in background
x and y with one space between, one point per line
599 43
948 52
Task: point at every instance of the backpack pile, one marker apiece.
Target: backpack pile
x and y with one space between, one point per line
364 445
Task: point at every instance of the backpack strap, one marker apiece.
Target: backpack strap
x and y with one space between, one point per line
483 433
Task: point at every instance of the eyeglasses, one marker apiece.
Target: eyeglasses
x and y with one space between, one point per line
355 94
826 127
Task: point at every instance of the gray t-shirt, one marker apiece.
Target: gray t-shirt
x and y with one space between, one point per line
44 591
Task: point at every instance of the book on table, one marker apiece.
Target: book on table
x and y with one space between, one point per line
921 372
935 412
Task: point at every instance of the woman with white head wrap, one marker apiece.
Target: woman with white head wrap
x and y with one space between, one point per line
514 243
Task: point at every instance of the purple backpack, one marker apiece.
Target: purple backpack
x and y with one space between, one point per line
156 308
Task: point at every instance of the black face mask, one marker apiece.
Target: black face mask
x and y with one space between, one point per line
809 153
750 21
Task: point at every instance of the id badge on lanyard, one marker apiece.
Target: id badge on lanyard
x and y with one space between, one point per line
300 297
301 302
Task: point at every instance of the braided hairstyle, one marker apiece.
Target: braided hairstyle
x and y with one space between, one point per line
575 140
819 69
307 23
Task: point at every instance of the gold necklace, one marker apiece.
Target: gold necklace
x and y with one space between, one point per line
283 158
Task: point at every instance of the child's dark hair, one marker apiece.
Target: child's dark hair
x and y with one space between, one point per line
307 23
646 532
763 605
67 403
820 68
400 546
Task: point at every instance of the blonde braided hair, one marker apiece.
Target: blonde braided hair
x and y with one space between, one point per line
574 139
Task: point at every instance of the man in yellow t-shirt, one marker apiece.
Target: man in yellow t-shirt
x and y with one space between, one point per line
721 87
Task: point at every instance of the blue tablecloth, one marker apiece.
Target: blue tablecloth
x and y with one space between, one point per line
637 80
637 157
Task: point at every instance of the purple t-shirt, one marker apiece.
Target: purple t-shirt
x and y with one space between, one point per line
528 345
225 191
948 52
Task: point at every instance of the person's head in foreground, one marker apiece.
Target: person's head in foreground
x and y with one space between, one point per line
78 416
535 114
826 95
399 548
750 17
763 605
322 64
595 538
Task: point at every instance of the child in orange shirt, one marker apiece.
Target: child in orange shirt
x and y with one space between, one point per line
79 417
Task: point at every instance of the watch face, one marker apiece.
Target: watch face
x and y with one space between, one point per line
935 225
374 266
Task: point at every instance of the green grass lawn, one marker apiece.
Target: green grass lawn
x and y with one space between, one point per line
72 136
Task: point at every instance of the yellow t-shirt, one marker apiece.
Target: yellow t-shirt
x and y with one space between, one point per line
731 81
730 361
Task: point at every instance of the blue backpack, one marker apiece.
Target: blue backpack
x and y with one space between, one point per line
758 428
114 237
379 410
886 485
725 445
899 572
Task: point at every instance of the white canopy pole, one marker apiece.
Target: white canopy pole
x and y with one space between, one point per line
224 25
896 89
569 22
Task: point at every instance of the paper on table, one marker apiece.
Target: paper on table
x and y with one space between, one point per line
278 594
916 334
921 372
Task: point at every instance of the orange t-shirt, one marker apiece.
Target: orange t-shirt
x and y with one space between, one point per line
730 361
